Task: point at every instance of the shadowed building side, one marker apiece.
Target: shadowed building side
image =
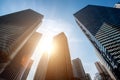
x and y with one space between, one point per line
27 70
59 65
17 67
15 30
42 67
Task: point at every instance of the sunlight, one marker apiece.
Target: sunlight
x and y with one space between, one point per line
46 45
49 28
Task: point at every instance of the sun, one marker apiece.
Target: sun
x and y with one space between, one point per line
46 45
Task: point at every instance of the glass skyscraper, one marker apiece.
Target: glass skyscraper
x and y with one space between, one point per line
102 27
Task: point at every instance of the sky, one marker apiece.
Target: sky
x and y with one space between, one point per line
58 17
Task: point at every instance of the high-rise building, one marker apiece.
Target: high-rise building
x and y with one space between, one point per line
88 77
27 70
59 64
117 5
102 71
15 30
16 68
78 70
15 36
42 67
101 26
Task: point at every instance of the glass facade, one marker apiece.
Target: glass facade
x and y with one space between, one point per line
101 26
92 17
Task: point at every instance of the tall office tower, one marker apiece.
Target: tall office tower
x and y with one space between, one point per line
17 67
117 5
102 71
59 64
88 77
15 30
42 67
78 70
101 26
27 70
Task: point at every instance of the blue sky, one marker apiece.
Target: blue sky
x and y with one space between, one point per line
58 17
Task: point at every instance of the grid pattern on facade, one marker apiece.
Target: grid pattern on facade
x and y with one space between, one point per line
15 30
109 37
16 68
101 25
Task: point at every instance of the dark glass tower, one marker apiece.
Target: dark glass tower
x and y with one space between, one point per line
18 40
102 27
15 30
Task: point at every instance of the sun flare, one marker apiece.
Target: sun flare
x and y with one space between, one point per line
46 45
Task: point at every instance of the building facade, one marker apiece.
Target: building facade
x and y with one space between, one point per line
101 26
59 65
42 67
18 40
102 71
16 68
27 70
78 69
16 29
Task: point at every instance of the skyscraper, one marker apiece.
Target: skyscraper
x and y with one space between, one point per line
102 71
59 65
17 67
42 67
78 69
101 26
27 70
16 30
